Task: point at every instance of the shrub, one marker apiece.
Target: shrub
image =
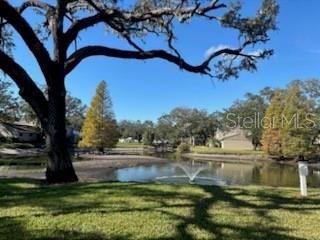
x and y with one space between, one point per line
183 148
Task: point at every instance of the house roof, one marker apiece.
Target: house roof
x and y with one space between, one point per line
26 124
21 128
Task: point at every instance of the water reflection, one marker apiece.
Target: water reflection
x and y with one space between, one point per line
235 173
144 173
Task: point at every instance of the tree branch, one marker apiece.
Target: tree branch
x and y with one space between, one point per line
29 91
236 51
13 17
133 17
34 4
90 51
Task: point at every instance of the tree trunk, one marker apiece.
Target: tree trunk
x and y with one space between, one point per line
255 147
59 167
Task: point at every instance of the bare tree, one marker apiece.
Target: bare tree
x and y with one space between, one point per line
65 21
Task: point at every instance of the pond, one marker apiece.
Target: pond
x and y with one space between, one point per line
219 173
180 170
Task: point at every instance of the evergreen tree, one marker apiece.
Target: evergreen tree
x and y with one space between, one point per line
99 128
271 137
298 124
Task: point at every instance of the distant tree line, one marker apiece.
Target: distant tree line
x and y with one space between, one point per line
182 124
284 122
13 108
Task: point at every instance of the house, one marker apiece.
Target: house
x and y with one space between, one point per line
20 132
128 140
234 139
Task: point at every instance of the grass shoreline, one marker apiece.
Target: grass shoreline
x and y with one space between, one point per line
129 145
207 150
155 211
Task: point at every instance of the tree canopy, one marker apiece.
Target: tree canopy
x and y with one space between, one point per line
63 23
75 111
272 125
247 113
291 121
8 103
99 129
299 121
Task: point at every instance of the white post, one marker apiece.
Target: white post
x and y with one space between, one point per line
303 173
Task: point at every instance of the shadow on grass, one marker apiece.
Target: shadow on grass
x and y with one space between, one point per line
61 200
11 228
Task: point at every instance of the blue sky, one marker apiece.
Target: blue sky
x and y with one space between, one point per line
145 90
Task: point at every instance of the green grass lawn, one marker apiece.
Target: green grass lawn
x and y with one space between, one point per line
129 145
24 161
154 211
207 150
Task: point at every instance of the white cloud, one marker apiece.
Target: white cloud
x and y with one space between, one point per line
256 52
213 49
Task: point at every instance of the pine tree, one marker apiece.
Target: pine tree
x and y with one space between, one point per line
298 124
271 137
99 128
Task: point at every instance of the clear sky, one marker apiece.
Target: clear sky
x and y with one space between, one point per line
145 90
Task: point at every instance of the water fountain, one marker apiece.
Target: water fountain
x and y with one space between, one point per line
191 170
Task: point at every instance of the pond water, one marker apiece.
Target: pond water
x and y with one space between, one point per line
220 173
207 172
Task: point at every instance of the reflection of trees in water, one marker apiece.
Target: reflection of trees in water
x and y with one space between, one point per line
314 178
270 174
236 173
259 173
256 174
279 175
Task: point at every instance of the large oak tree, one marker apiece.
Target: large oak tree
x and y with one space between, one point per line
66 20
